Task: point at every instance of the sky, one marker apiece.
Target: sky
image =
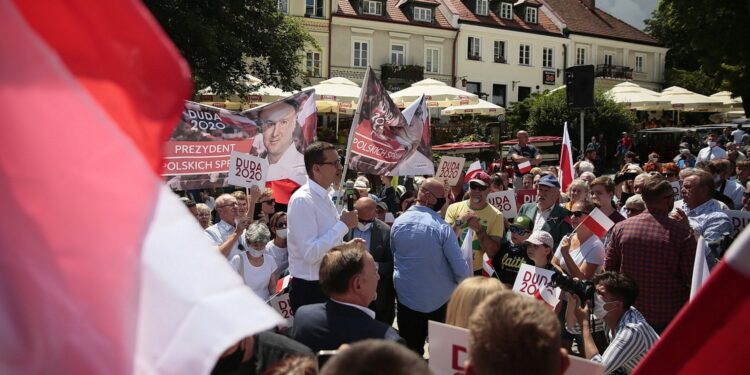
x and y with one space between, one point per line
630 11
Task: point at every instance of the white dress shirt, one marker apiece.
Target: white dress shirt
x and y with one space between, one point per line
219 233
711 153
313 229
365 310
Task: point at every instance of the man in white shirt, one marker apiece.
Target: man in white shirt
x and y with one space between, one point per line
278 124
227 231
713 151
314 225
738 134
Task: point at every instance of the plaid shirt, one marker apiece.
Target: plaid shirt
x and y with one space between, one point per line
658 253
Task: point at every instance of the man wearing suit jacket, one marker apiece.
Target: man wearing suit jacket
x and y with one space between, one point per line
349 278
546 214
377 236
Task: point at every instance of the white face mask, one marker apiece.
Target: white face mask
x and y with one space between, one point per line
281 233
599 311
711 144
364 227
255 253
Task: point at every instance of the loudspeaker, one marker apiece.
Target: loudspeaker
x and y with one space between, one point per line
579 81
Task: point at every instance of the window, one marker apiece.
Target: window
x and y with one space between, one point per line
482 6
580 56
283 6
312 64
500 51
314 8
474 50
373 7
506 11
531 15
474 87
432 60
498 94
640 63
547 57
609 59
361 54
523 92
524 54
422 14
397 54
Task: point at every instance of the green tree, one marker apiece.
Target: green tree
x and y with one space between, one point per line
706 37
223 41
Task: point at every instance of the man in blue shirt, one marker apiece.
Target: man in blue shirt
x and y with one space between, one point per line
428 264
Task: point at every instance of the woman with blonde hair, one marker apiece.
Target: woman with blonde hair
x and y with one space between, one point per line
467 296
577 191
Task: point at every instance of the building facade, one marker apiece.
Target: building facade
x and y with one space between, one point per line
315 16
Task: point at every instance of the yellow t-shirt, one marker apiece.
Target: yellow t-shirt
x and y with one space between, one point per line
491 219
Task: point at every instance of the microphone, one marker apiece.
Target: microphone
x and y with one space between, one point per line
349 191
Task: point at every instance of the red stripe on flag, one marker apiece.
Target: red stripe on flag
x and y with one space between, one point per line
595 226
566 161
524 167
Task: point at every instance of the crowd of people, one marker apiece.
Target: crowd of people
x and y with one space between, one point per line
413 252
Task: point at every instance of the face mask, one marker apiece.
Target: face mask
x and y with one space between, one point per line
439 202
711 144
599 311
364 227
255 253
281 233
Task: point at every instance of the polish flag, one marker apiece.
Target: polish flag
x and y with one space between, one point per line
473 171
566 161
524 167
709 335
700 267
598 223
283 283
488 269
102 268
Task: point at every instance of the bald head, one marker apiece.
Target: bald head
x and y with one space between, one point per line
429 191
365 207
523 137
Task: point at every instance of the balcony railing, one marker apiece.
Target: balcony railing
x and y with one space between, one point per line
474 57
613 71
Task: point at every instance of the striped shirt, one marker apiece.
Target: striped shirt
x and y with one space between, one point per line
632 340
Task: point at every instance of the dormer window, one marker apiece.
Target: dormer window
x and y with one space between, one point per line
531 15
373 7
482 6
506 11
422 14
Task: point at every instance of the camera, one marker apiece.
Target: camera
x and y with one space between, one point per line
585 289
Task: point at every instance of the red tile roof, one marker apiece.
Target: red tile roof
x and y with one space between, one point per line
393 14
581 20
545 25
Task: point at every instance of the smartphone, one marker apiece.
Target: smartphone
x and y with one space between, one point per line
324 356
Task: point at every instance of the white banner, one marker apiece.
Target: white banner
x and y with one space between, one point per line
537 282
740 220
280 303
448 348
450 168
504 201
247 170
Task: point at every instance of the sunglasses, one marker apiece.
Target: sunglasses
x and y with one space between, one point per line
280 225
518 230
579 213
477 187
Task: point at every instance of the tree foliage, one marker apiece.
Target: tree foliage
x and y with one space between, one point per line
706 37
224 41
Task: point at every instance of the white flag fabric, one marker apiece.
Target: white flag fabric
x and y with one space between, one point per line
466 248
700 267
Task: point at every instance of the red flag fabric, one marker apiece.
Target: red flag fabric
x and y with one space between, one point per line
598 223
709 335
524 167
488 269
83 259
473 171
566 161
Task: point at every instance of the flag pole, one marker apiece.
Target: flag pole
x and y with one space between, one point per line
355 121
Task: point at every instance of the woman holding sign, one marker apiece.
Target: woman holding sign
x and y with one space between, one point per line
255 266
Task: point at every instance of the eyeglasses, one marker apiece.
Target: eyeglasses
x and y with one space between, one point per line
477 187
269 201
335 163
235 204
579 213
280 225
518 230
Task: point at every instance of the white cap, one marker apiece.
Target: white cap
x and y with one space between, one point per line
541 237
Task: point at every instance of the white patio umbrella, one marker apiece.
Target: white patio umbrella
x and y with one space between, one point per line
437 93
483 107
686 100
726 98
262 95
636 97
336 95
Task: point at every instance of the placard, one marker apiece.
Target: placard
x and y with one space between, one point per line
504 201
739 219
676 189
280 303
537 283
448 348
247 170
525 196
580 366
449 169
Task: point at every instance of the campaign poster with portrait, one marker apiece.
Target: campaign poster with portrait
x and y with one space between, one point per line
197 154
418 161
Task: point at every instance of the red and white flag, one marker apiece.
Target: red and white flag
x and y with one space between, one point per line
473 171
700 267
102 268
524 167
283 283
566 161
598 223
709 335
488 269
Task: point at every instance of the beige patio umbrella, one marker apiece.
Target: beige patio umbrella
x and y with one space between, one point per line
686 100
437 93
483 107
264 94
726 98
637 97
336 95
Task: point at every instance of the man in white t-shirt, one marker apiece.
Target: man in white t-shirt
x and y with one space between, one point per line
738 134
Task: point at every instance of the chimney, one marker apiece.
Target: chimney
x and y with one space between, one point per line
591 4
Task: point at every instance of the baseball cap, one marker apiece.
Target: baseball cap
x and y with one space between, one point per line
359 184
549 180
522 222
541 237
383 205
481 178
